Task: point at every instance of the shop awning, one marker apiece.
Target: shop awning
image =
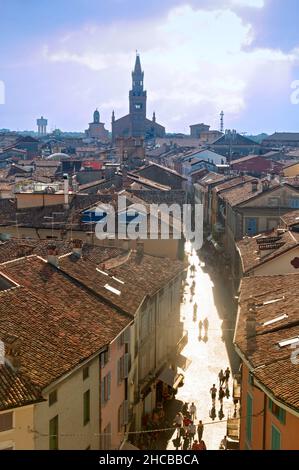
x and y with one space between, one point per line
169 377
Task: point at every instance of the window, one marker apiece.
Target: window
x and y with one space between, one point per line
250 226
104 358
53 433
106 388
123 367
138 106
6 421
85 373
275 439
123 415
274 201
278 412
249 418
294 203
52 397
86 407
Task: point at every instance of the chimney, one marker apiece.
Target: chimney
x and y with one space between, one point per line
52 257
12 353
77 247
139 250
66 190
254 186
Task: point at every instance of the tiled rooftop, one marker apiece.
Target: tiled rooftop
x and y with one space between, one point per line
291 218
131 277
15 389
58 321
264 247
272 308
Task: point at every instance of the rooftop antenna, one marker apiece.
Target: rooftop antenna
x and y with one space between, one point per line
221 121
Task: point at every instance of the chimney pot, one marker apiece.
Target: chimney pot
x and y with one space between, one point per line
52 255
77 247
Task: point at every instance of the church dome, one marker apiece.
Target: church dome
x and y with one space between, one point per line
58 156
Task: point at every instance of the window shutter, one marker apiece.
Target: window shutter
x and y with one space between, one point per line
109 386
103 391
119 371
126 365
275 439
126 412
249 418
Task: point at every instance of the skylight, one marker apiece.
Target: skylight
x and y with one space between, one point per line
288 342
275 320
102 272
268 302
112 289
118 280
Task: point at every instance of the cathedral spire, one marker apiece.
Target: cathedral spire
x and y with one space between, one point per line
137 76
137 68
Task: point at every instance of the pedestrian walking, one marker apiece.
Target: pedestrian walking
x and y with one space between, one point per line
200 430
191 431
227 394
185 408
195 445
221 395
206 324
186 422
178 420
227 374
213 392
193 411
177 443
200 329
221 377
202 445
186 443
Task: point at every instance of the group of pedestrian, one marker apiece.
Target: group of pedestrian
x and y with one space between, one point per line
223 387
187 429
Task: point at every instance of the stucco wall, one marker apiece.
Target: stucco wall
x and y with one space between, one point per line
21 436
69 408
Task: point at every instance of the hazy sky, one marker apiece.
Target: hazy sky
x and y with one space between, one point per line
64 58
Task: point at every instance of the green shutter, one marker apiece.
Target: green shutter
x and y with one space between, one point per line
53 433
275 439
249 418
86 407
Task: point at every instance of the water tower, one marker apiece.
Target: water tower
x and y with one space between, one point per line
42 126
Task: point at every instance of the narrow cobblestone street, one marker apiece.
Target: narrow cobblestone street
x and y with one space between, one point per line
206 357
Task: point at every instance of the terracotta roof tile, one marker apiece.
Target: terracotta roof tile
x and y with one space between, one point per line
257 250
15 389
274 300
59 322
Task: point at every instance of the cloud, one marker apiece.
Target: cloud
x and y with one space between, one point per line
196 62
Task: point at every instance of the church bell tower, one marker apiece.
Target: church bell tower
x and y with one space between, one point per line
137 98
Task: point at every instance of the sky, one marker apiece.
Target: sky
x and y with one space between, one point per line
64 58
